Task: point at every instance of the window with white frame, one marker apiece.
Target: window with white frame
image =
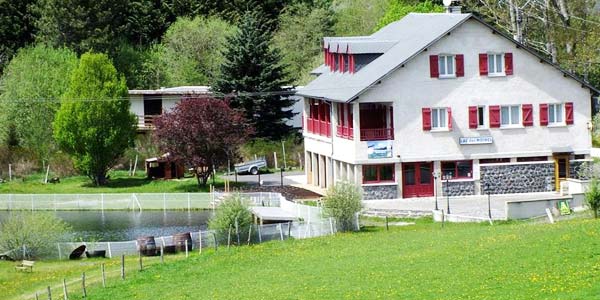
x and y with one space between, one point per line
439 117
510 115
480 116
447 66
556 114
495 64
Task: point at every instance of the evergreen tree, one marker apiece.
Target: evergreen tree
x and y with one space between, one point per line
255 77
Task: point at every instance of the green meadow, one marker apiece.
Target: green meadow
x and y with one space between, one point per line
513 260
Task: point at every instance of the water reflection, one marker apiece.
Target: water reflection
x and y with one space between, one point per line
128 225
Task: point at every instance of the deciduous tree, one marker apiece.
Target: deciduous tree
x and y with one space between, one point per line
94 124
33 83
203 132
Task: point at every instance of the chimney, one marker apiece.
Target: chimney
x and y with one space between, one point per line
452 6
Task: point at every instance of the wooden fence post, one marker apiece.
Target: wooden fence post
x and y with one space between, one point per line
249 234
49 294
103 276
65 293
200 242
140 259
122 266
83 285
229 236
162 254
187 254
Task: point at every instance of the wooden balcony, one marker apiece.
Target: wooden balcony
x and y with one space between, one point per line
319 127
376 134
146 122
345 132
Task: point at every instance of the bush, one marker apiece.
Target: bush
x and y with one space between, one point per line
37 233
342 202
592 196
231 209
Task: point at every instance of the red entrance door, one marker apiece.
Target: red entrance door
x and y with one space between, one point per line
417 180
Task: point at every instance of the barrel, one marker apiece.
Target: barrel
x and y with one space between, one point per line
147 245
180 239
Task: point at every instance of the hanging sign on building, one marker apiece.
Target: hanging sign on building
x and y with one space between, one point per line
475 140
379 149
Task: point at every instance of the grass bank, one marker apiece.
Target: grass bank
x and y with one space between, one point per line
119 182
422 261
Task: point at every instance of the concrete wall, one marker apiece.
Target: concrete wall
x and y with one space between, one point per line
534 208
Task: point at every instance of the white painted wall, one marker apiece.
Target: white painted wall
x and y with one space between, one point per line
411 89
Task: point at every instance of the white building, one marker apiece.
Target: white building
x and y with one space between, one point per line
148 104
443 94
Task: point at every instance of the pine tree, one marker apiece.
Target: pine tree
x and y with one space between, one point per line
255 77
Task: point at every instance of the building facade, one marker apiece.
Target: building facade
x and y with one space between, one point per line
149 104
443 103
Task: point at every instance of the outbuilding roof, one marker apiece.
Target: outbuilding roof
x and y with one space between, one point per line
399 42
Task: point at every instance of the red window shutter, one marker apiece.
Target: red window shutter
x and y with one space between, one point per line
494 116
483 64
351 63
426 112
434 70
472 117
527 114
569 112
508 63
449 110
544 114
325 56
460 65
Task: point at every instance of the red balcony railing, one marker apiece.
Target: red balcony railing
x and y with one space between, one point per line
377 134
316 126
345 132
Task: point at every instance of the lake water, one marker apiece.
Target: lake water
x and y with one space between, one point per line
128 225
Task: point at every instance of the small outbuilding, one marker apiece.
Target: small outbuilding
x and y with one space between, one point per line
164 167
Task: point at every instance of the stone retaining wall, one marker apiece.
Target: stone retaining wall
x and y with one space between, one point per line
517 178
377 192
459 188
576 169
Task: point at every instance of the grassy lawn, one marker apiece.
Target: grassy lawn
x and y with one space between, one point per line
422 261
119 182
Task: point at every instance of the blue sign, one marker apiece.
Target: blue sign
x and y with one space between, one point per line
379 149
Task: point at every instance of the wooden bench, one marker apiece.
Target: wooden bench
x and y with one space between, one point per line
25 264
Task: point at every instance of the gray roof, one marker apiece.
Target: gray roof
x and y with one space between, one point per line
178 90
409 36
406 38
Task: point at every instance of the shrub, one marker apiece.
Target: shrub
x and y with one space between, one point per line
231 209
592 196
37 233
342 202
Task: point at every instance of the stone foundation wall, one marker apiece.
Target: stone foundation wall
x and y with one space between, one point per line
517 178
459 188
378 192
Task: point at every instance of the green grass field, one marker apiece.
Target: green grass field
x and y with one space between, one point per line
119 182
422 261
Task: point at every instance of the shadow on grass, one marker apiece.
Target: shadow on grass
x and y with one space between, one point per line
121 182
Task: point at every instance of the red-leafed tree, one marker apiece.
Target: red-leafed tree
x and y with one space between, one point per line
203 132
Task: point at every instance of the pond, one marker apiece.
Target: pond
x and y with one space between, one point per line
128 225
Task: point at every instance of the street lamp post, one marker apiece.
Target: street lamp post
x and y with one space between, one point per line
488 192
436 175
447 177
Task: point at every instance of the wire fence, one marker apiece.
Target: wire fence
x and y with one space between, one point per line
124 201
136 258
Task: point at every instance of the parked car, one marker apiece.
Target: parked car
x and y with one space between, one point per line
251 167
